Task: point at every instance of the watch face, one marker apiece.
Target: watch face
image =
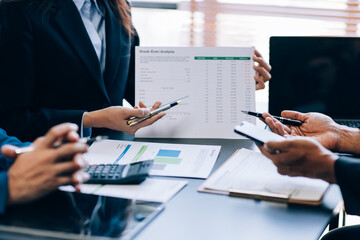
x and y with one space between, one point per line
71 215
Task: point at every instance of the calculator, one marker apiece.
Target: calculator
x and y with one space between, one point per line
133 173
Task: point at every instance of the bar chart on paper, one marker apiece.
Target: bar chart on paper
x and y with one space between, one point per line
178 160
219 82
168 157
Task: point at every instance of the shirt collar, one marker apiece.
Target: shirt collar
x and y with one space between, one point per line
80 3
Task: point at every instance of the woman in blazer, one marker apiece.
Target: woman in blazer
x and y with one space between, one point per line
53 71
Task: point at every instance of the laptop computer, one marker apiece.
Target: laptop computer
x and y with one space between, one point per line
316 74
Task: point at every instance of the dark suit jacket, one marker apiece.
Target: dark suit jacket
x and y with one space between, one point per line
347 172
49 71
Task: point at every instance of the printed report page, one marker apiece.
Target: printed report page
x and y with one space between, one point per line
219 83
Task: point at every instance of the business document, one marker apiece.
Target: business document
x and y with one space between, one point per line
217 80
175 160
152 189
250 171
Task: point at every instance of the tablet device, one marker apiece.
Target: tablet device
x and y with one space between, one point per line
72 215
257 134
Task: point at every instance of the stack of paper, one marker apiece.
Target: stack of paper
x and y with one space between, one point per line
251 174
154 190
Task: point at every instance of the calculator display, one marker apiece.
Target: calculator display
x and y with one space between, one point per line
133 169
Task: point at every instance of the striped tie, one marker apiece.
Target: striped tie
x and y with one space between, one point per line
87 10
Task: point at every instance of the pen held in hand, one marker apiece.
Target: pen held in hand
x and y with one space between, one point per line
162 108
286 121
88 141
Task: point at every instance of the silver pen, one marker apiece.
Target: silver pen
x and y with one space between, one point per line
88 141
165 107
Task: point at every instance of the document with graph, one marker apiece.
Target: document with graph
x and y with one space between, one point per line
177 160
219 83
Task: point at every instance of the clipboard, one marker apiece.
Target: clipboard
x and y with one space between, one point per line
316 199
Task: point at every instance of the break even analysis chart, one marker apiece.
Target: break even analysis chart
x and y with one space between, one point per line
219 82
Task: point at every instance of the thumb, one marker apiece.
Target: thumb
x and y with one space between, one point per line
281 146
140 112
9 151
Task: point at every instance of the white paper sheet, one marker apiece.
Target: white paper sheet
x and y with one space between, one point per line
152 189
249 170
176 160
219 82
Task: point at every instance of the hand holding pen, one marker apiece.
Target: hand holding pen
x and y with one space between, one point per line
154 111
315 125
279 125
116 117
135 122
286 121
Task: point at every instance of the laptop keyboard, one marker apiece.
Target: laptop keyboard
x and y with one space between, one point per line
349 123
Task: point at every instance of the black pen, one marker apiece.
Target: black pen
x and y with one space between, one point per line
286 121
88 141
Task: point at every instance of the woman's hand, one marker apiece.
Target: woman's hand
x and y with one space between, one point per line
116 117
262 70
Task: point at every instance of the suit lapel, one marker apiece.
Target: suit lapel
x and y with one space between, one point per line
69 21
114 35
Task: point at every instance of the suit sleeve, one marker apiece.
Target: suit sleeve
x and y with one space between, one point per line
130 85
347 173
5 164
3 191
18 112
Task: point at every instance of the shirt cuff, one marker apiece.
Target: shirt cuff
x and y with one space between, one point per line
84 132
3 191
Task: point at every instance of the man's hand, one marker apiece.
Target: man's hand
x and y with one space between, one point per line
116 118
316 125
43 170
262 70
320 127
300 156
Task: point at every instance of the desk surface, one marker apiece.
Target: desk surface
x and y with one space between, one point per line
194 215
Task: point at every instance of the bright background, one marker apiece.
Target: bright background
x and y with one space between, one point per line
243 23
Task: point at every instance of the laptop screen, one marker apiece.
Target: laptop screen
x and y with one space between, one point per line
315 74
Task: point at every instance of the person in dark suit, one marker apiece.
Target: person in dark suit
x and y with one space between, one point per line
71 61
308 151
66 61
32 175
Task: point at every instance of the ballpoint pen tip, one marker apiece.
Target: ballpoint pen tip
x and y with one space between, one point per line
244 111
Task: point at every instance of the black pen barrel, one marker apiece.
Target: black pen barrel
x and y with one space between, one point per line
290 122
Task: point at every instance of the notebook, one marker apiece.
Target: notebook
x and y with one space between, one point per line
316 74
250 174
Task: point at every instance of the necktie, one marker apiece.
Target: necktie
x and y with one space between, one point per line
87 10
